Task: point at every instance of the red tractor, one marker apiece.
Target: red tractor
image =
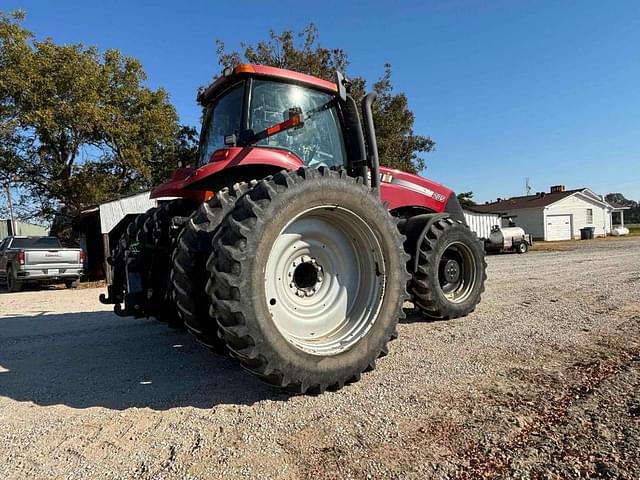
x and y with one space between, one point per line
288 245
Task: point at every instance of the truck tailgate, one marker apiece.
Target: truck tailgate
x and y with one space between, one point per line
57 256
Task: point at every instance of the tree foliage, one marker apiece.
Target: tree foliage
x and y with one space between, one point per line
466 199
398 145
632 215
80 126
620 199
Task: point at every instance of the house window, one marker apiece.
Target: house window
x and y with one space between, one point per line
589 216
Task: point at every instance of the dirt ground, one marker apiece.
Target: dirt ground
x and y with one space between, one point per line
542 381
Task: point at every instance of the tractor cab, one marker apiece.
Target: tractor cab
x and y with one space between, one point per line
272 119
269 113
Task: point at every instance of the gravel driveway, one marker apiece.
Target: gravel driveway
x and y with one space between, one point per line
542 380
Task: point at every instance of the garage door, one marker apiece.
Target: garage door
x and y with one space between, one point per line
558 227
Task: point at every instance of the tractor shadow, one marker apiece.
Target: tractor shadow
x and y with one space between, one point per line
96 359
413 315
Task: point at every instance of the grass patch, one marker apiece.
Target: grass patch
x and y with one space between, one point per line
634 229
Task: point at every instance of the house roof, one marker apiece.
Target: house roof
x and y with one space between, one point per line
617 206
528 201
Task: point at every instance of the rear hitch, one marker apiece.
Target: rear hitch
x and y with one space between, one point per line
111 297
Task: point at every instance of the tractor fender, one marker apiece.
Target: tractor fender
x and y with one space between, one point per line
226 167
414 229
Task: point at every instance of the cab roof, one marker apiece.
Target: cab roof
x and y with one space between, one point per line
251 70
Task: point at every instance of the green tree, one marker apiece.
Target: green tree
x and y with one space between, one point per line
466 199
88 126
632 215
399 146
620 199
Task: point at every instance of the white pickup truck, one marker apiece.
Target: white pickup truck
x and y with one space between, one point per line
38 260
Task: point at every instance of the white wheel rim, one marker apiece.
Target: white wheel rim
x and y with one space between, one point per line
458 289
325 280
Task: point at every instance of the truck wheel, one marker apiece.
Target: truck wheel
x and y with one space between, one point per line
156 242
308 279
189 273
117 259
522 247
13 284
451 271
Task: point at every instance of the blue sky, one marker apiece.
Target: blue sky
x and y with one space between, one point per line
548 90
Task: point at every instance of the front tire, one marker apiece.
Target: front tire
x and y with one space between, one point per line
522 247
308 278
451 271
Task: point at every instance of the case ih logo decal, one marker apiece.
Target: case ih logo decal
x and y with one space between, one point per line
386 178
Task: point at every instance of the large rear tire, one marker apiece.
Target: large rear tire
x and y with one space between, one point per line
308 279
156 241
451 271
189 273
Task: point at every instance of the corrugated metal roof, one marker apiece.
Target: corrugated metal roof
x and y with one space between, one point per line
112 212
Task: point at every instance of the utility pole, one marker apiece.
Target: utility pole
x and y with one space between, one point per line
10 203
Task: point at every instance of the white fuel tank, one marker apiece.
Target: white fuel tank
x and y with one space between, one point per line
504 235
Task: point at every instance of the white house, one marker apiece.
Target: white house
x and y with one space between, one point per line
556 215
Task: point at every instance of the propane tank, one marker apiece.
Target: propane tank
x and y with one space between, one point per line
503 236
619 231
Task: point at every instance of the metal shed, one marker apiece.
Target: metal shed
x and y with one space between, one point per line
101 226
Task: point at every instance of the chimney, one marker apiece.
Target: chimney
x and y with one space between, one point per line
499 199
556 189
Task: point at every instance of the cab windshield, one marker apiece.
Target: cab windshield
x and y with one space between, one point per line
318 142
222 118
